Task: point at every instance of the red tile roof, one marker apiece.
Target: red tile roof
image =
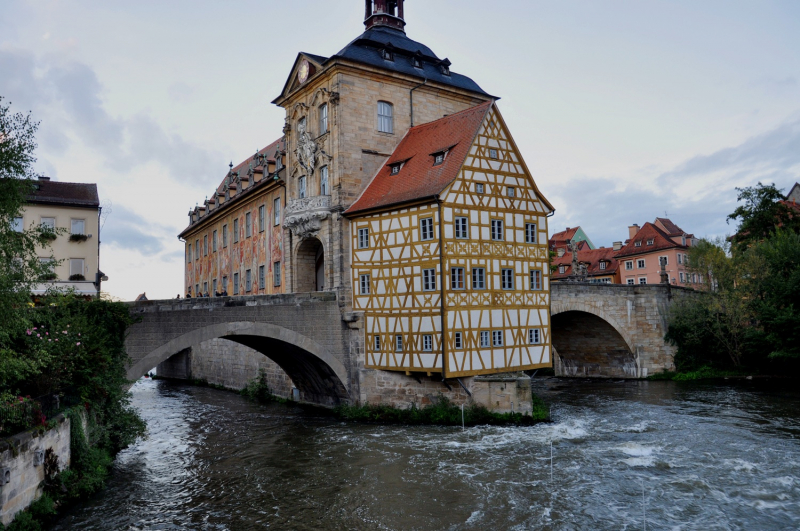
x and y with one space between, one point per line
418 177
592 259
67 194
669 227
649 231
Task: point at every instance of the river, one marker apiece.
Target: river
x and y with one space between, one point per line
678 455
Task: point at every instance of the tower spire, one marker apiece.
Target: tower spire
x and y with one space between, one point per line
386 13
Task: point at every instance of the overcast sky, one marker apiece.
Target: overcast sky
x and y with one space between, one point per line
624 110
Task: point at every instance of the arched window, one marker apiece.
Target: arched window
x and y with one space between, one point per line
301 185
385 117
323 118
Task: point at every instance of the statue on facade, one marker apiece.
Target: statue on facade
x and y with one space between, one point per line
306 148
579 271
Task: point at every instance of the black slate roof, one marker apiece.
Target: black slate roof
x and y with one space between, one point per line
367 49
67 194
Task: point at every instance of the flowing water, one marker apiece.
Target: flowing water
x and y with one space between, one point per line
680 455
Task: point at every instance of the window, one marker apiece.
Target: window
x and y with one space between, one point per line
462 228
276 212
236 283
224 289
497 229
508 278
650 241
640 263
197 249
276 274
478 188
385 119
301 187
562 269
457 278
637 244
214 242
262 214
49 223
686 260
478 278
77 226
694 278
224 236
683 240
324 188
248 225
642 280
395 168
323 118
497 338
398 343
248 281
427 342
205 288
603 265
205 245
511 192
681 274
416 62
680 259
235 230
377 342
17 225
485 338
189 254
536 279
458 340
197 290
262 281
533 336
631 282
363 238
214 286
428 280
426 228
530 233
76 266
492 153
438 158
387 54
629 265
364 284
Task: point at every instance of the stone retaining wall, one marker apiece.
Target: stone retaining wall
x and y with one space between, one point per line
22 463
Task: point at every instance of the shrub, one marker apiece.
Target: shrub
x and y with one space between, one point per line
78 237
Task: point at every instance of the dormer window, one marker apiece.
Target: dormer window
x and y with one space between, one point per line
603 265
394 169
387 54
638 244
562 269
438 158
444 67
650 241
417 62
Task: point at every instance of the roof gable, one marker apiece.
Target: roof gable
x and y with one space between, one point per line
292 83
418 177
669 227
648 232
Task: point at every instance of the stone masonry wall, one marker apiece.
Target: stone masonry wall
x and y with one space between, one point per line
21 459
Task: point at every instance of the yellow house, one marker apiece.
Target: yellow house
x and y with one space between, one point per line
76 208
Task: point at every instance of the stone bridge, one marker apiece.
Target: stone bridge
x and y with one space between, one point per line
611 330
597 331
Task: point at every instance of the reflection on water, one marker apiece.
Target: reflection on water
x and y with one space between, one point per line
707 456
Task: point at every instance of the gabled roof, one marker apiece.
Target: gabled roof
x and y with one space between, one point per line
244 166
669 227
592 259
794 194
66 194
564 235
418 178
649 231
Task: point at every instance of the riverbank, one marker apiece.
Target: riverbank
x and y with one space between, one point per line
710 373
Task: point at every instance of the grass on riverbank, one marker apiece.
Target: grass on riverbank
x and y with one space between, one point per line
442 412
703 373
257 390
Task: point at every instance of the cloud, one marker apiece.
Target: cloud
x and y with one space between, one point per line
129 230
68 97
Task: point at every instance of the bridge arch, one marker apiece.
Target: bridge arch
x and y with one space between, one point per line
319 375
590 342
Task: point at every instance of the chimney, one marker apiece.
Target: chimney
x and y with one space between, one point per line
617 246
632 230
43 178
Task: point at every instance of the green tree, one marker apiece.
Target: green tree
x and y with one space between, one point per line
761 214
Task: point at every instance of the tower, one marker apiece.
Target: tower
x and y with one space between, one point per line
387 13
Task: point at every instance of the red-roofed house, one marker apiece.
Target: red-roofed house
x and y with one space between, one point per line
559 240
453 224
601 264
641 256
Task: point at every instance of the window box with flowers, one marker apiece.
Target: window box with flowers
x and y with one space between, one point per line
78 237
77 277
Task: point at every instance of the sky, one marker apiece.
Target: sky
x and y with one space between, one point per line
623 110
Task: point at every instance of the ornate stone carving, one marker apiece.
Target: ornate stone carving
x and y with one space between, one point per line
304 216
306 225
306 148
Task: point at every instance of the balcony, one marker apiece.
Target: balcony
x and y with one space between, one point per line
304 216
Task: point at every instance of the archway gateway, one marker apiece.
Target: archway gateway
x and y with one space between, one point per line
310 266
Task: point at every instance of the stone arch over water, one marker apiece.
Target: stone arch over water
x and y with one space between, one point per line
320 377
